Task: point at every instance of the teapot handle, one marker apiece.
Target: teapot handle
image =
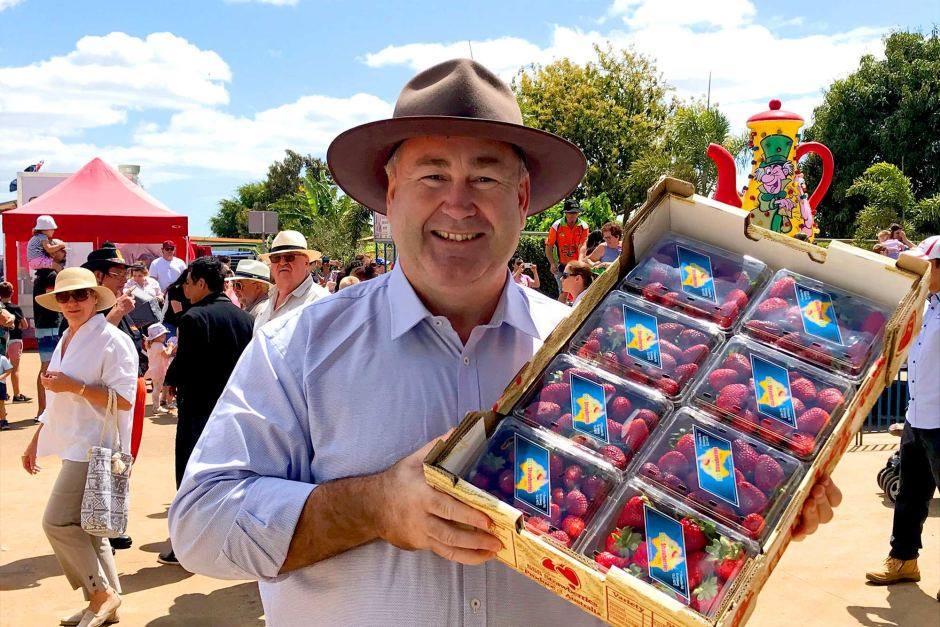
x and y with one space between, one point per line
828 164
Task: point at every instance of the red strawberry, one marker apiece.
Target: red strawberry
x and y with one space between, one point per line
812 420
537 524
608 560
556 463
793 317
773 305
597 334
686 446
828 399
590 349
572 476
561 537
773 431
685 372
558 393
739 363
651 470
648 416
636 435
691 337
669 387
669 331
798 406
614 455
592 486
573 526
543 413
695 353
584 373
803 389
623 542
507 484
726 569
737 296
613 315
554 514
732 398
609 390
632 514
671 481
750 499
670 299
668 347
558 496
640 557
695 539
783 288
767 474
480 480
874 323
746 422
721 377
653 292
563 424
668 362
754 523
698 568
619 408
791 342
691 480
727 313
763 330
801 444
745 456
674 463
614 430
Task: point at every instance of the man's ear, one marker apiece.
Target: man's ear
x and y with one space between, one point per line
525 196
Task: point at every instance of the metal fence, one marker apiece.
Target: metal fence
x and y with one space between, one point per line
891 405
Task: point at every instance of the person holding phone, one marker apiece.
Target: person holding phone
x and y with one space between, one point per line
519 268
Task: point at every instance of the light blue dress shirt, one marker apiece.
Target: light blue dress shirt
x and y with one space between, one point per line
347 386
923 370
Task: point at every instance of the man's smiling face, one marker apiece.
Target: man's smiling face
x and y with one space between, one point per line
456 206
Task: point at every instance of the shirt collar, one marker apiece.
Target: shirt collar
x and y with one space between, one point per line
298 291
407 310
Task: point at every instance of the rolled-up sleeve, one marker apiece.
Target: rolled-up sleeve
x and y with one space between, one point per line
250 474
119 369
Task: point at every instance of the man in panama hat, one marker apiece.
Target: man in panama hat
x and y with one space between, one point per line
309 475
293 286
251 282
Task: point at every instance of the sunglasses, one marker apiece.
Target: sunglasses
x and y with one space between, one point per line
79 296
286 258
118 274
168 250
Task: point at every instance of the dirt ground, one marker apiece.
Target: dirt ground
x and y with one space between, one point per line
820 581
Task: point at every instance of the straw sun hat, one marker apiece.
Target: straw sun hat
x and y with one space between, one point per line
290 242
76 279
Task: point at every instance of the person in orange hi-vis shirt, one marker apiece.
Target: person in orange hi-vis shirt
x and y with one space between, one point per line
569 236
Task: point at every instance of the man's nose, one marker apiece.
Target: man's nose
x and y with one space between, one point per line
459 203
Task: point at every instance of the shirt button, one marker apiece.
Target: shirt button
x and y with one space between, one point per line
475 605
466 361
437 323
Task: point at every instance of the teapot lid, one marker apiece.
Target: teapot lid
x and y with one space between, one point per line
774 113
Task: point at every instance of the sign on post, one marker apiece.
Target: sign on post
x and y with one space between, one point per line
381 228
262 222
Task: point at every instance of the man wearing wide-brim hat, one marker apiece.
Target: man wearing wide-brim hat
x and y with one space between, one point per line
293 286
309 475
251 282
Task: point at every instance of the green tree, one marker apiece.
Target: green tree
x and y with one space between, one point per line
286 176
926 216
231 220
612 107
887 110
595 211
886 194
681 150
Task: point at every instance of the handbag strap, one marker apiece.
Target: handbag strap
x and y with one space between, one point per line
111 421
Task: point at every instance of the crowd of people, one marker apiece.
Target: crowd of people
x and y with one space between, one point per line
284 474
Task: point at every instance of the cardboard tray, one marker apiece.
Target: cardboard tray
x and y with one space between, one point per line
616 596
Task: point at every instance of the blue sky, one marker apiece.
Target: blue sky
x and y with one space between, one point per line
204 94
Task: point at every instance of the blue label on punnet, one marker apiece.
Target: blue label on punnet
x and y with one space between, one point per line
642 331
589 408
714 462
665 548
531 477
818 314
772 391
695 272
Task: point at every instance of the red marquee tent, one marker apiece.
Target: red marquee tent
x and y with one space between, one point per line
95 204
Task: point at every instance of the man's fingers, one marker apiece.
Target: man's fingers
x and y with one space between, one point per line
833 493
809 520
822 504
449 508
449 534
462 556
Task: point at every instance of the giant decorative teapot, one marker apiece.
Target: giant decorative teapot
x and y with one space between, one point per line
775 194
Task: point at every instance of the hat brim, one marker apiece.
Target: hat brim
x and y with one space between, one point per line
249 278
103 264
312 255
357 157
106 298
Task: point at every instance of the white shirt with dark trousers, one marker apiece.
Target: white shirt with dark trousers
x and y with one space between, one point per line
342 388
923 370
165 272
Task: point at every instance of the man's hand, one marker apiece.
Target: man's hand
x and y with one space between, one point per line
124 305
817 510
6 319
412 515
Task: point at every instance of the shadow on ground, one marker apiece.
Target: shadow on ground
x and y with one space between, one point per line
152 577
163 419
27 572
237 605
158 515
908 604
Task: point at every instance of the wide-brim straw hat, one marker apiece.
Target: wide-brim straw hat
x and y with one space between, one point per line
72 279
251 270
462 98
290 241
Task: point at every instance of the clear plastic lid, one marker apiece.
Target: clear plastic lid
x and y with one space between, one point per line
660 541
647 343
557 486
720 472
780 399
611 417
825 325
699 279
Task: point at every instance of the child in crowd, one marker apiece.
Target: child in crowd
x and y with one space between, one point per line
6 367
42 251
158 356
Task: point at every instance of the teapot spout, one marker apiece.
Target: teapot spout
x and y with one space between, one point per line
725 189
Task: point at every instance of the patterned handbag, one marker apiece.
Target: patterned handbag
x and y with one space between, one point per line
106 500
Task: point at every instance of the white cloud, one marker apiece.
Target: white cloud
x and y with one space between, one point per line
749 62
105 77
7 4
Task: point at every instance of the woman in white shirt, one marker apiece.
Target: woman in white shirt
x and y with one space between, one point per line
92 358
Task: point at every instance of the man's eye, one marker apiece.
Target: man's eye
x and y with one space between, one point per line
433 177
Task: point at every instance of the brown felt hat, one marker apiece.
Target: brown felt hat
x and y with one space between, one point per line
458 97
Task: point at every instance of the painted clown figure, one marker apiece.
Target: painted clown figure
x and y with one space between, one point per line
774 174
